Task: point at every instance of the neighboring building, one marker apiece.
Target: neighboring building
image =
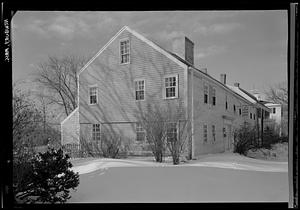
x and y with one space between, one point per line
274 119
131 71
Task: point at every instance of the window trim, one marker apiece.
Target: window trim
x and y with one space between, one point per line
136 132
213 132
176 87
214 96
205 138
93 86
176 126
94 133
205 85
129 51
136 80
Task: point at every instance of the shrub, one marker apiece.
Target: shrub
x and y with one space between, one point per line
111 145
48 178
245 138
270 137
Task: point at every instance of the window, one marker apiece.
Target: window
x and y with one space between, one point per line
140 132
171 87
96 132
139 90
213 96
171 132
274 110
224 132
250 115
205 94
254 116
213 131
93 95
234 108
226 104
205 133
240 111
124 51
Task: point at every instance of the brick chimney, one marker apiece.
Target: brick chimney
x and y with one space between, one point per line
223 78
184 48
237 84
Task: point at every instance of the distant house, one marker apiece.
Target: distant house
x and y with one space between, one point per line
275 117
130 71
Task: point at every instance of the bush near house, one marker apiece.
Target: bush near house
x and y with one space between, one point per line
47 178
111 145
270 137
245 138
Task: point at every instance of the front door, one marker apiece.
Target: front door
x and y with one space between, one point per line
228 137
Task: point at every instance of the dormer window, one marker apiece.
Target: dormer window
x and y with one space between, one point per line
124 51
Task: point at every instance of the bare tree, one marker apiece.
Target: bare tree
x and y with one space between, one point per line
154 123
26 119
59 77
278 93
179 131
166 127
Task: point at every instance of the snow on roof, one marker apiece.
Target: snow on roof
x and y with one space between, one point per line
272 104
241 93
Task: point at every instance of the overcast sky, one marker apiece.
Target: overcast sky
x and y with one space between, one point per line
249 46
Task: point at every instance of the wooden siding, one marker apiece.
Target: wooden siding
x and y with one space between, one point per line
213 115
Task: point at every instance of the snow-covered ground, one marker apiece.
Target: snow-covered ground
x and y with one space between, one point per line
223 160
278 152
222 177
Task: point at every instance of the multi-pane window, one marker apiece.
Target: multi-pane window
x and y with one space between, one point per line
171 132
96 132
205 133
213 131
213 96
140 132
205 94
224 132
125 51
93 95
171 87
139 90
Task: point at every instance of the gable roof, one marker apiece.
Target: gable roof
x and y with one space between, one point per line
180 61
252 99
142 38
